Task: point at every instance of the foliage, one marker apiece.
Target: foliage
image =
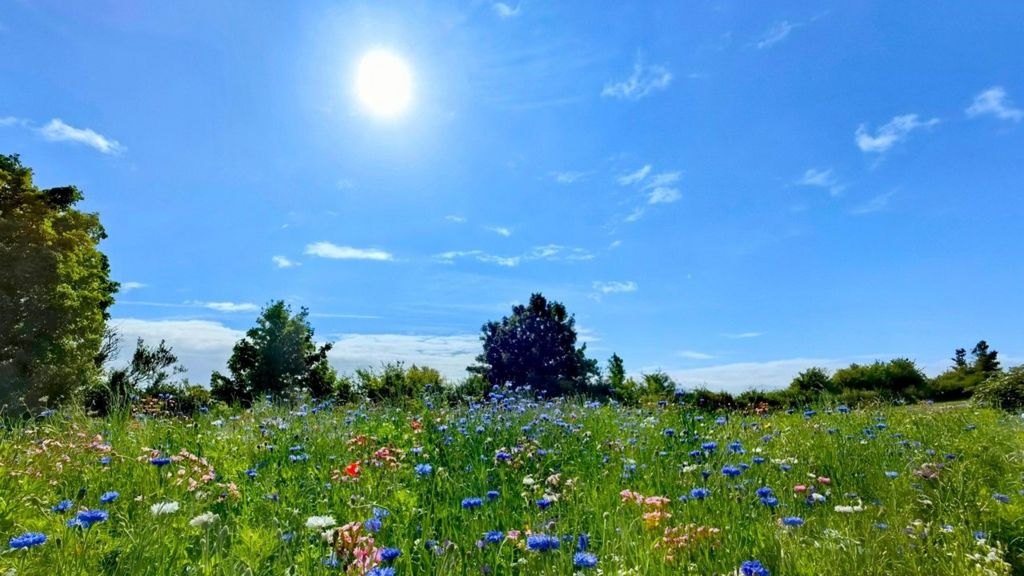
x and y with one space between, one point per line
899 378
394 382
1005 390
55 290
535 346
658 385
963 378
247 491
276 355
814 381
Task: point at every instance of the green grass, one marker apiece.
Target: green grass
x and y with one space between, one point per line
595 452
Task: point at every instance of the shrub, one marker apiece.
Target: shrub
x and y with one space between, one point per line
1004 390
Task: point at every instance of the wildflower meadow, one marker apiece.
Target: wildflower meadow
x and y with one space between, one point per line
515 485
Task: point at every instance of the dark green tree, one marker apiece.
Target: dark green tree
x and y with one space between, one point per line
985 359
812 382
55 290
276 355
616 372
536 346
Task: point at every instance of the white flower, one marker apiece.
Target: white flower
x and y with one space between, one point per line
320 522
204 519
217 423
849 509
818 497
164 508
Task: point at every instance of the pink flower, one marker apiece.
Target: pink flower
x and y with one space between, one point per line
824 480
799 488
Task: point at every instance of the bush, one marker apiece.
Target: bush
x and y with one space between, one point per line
395 382
1004 390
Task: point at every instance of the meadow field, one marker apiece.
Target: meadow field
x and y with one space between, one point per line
516 486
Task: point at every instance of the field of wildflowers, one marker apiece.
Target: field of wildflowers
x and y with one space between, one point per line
516 486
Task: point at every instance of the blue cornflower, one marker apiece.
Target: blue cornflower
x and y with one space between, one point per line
793 521
699 493
843 409
493 494
86 518
1002 498
584 560
424 469
28 540
373 525
62 506
109 497
381 571
583 542
731 471
720 420
753 568
770 501
161 461
736 447
389 554
543 503
494 536
542 542
709 446
669 432
758 460
105 461
380 513
891 474
764 492
468 503
298 457
502 456
251 473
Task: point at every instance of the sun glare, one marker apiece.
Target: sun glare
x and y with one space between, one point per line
384 84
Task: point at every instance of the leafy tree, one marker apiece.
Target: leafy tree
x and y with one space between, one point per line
395 382
276 355
659 385
1004 390
55 290
960 359
812 382
897 378
963 377
535 346
985 359
616 372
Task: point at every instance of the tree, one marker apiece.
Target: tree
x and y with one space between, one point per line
55 290
812 382
959 359
897 378
659 384
276 355
535 346
616 373
984 359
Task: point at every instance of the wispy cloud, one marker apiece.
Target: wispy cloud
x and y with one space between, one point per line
456 219
890 134
129 286
227 306
568 177
822 179
329 250
742 335
9 121
645 79
505 11
663 195
694 355
548 252
777 33
877 204
615 287
283 262
994 102
500 231
58 131
636 214
634 177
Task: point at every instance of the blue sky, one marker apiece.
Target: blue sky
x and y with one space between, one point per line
727 191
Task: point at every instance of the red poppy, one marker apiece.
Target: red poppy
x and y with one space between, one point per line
353 469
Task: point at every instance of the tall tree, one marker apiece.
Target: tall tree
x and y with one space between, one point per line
616 372
985 359
535 346
276 355
55 290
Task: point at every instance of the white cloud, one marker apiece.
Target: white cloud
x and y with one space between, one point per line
282 262
742 335
694 355
645 79
9 120
615 287
777 33
227 306
129 286
202 346
663 195
994 102
500 231
549 252
456 219
822 179
568 177
58 131
888 135
615 244
662 179
329 250
635 177
742 376
636 214
504 11
876 204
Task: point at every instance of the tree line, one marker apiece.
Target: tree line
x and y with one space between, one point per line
56 345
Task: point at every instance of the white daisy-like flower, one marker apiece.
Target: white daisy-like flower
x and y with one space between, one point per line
320 522
164 508
204 519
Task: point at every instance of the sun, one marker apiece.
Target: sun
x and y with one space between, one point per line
384 84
